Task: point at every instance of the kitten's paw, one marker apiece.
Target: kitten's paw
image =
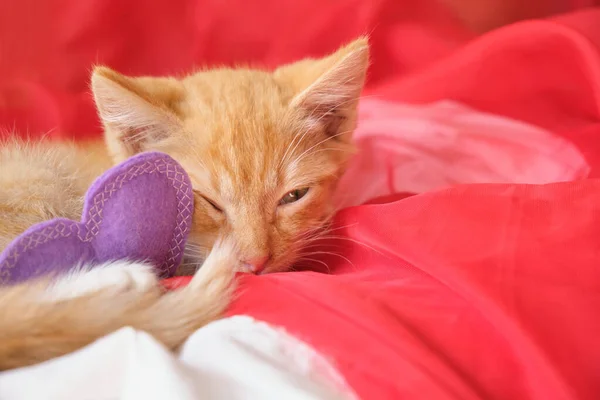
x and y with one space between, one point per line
118 276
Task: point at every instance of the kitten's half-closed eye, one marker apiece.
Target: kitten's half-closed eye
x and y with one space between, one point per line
293 196
210 202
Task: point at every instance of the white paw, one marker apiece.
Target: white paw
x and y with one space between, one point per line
116 276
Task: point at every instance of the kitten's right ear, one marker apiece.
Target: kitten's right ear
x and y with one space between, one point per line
137 113
327 90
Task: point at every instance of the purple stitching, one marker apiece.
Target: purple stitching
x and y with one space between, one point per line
31 242
171 170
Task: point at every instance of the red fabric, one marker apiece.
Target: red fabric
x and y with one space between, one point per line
476 292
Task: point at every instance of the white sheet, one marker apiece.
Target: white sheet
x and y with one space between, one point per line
235 358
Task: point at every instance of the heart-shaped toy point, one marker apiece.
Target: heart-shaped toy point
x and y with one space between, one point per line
140 210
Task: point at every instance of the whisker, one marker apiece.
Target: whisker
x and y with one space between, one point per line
328 112
338 105
321 142
334 254
193 254
196 246
190 264
284 159
325 226
312 153
285 154
319 245
343 227
196 249
326 237
297 139
315 260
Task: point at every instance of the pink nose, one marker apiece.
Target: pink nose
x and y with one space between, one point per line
255 264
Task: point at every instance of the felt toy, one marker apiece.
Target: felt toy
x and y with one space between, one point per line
140 210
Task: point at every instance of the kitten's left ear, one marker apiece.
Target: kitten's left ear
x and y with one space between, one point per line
327 90
137 113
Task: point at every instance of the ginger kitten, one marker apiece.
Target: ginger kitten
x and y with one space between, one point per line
264 150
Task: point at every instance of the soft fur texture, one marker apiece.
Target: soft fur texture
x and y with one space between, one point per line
43 180
249 140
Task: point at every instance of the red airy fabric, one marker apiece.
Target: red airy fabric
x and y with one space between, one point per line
476 292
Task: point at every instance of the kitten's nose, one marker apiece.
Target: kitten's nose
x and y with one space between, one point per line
255 264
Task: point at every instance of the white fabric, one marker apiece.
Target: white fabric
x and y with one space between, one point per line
235 358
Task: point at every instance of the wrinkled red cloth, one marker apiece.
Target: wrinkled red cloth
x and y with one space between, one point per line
473 292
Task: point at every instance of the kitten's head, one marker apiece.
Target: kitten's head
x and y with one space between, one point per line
264 150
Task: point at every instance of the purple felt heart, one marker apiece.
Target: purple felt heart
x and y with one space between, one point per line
139 210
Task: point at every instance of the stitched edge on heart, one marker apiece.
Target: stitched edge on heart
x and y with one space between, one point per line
167 167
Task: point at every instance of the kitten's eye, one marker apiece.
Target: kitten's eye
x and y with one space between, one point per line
209 201
293 196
